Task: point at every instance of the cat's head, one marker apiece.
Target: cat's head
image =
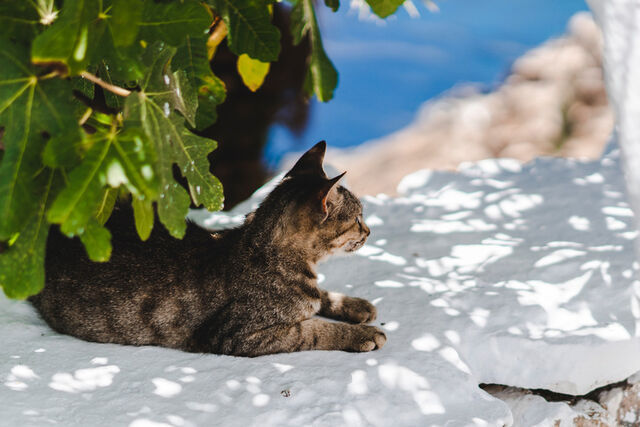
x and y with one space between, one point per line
315 212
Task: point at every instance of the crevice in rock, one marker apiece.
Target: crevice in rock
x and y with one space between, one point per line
552 396
616 404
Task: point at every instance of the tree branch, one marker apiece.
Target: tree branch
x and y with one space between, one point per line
108 86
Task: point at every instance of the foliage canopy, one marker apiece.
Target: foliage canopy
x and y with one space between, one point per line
102 97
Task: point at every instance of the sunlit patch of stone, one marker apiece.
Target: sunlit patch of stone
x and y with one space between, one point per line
479 316
202 407
513 206
615 224
99 361
558 256
579 223
233 384
260 399
427 342
552 296
390 258
145 422
389 284
282 367
447 226
617 211
358 384
373 221
23 372
451 355
466 259
82 380
166 388
401 378
391 326
414 180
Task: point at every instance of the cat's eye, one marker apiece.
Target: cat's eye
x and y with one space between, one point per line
358 221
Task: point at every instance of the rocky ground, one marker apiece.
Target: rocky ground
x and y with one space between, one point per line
610 406
552 104
492 275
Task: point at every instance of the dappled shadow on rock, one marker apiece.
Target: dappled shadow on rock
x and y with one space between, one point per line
504 274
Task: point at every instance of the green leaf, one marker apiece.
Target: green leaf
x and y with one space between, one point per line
74 206
73 38
192 58
114 159
105 207
32 108
333 4
322 77
18 21
299 25
174 143
184 96
252 71
121 64
171 22
143 215
125 18
97 241
384 8
22 264
170 90
191 156
62 150
250 28
84 87
112 100
152 111
130 36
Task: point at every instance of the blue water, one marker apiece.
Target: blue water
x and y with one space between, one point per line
387 71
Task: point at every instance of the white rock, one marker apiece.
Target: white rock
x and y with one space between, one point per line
461 306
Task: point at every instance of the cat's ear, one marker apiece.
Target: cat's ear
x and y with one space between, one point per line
325 193
311 162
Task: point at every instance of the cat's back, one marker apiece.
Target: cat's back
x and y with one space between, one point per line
147 293
149 262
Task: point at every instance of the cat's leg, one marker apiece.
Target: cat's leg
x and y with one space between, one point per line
311 334
341 307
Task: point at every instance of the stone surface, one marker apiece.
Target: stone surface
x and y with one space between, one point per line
501 273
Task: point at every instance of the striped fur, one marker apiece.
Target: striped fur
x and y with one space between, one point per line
247 291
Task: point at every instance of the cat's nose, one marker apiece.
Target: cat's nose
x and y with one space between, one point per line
366 229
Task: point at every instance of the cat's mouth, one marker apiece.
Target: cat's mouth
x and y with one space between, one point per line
353 246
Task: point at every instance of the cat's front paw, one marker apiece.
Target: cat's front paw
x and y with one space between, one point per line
367 338
358 310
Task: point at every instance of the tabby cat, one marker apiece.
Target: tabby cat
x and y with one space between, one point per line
246 291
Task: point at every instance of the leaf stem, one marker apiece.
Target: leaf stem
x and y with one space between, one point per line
218 33
85 116
111 88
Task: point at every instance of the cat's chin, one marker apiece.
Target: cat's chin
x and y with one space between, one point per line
353 246
346 250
